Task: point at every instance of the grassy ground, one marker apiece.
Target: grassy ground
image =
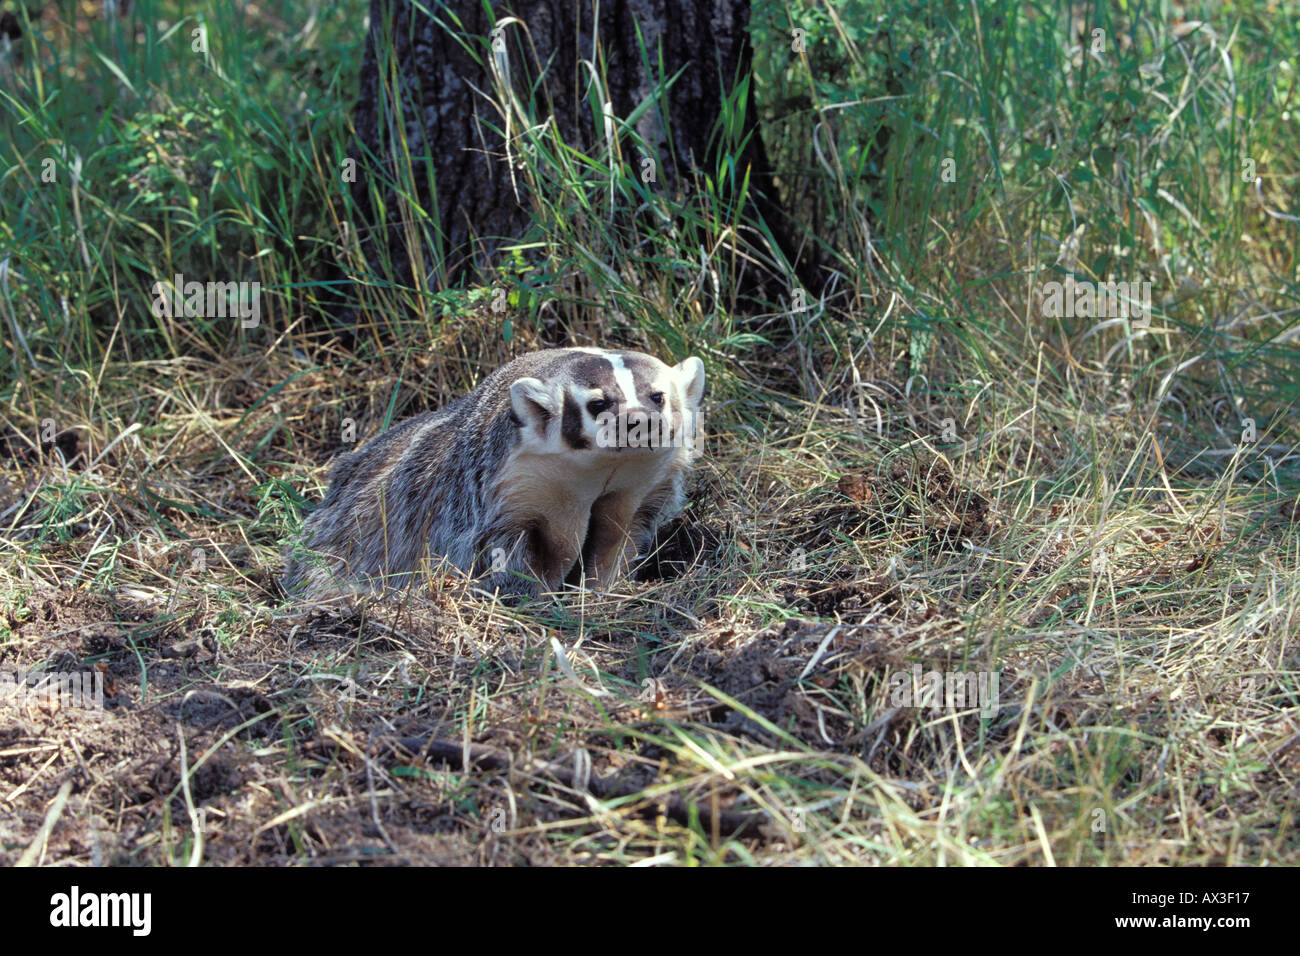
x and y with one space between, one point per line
924 470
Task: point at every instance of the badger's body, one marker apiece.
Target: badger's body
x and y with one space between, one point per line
562 462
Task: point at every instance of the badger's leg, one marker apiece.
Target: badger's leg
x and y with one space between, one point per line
613 537
528 555
623 526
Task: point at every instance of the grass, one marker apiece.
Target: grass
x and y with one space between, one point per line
922 469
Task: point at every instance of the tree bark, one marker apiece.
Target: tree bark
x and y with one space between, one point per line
440 61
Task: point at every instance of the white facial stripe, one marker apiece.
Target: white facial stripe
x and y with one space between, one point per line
623 378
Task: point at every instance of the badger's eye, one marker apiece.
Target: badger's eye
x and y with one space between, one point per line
658 399
598 405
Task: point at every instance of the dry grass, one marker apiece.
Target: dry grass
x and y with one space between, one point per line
738 709
920 470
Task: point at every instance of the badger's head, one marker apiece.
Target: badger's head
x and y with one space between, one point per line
610 402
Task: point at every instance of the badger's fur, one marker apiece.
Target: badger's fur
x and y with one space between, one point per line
560 465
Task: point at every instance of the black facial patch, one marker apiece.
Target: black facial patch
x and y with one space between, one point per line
571 424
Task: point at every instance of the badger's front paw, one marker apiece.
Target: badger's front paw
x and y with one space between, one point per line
511 588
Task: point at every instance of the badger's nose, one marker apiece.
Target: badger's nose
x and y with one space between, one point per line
640 432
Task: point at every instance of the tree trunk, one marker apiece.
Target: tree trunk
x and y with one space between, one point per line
453 131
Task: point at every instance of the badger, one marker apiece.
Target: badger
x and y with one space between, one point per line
558 468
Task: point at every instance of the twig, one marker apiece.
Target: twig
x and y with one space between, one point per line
37 847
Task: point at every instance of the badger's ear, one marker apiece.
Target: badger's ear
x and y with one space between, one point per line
690 378
534 402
